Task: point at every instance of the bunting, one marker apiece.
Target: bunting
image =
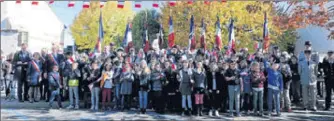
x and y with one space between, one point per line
34 2
86 4
71 4
155 4
102 2
120 4
137 4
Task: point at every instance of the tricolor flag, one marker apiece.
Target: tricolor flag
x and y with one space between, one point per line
18 1
203 28
190 1
71 4
86 4
161 36
146 43
155 5
71 59
172 3
102 2
34 2
120 4
218 35
97 48
171 33
266 38
51 1
231 38
137 4
127 41
191 41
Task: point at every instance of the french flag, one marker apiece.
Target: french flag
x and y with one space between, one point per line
146 43
71 4
155 5
265 33
86 4
97 48
231 38
34 2
127 41
102 2
203 28
172 3
171 34
191 41
120 4
71 59
218 34
137 4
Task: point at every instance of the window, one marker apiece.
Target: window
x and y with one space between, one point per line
23 38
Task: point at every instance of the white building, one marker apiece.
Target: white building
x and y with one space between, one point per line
36 25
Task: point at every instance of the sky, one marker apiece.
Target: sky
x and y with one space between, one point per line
67 15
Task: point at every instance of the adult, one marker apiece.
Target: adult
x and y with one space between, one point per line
44 86
328 66
20 62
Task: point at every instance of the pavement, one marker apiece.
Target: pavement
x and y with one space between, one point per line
13 110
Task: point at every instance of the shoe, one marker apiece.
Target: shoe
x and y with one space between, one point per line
31 101
144 111
305 109
210 113
70 107
217 113
327 109
21 101
96 108
261 114
76 107
290 110
47 100
278 114
231 115
269 115
92 108
238 115
314 110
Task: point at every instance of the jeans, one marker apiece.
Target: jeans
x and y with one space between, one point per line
234 97
258 97
22 83
295 90
184 103
95 96
309 96
286 102
34 93
276 95
142 99
117 95
55 93
75 91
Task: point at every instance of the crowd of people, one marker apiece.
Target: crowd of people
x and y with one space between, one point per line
173 80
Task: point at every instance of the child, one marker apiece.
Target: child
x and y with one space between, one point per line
185 87
106 84
257 79
171 89
94 86
34 77
246 90
126 87
157 80
116 81
144 75
200 85
54 86
233 78
275 85
295 80
286 74
73 83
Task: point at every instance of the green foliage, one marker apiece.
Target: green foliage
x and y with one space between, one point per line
85 26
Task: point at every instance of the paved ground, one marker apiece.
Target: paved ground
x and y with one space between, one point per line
38 111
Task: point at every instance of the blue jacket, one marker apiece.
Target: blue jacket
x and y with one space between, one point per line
275 79
34 72
54 80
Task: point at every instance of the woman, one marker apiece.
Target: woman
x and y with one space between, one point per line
286 74
186 87
157 81
200 85
34 77
144 75
257 79
126 80
94 86
246 90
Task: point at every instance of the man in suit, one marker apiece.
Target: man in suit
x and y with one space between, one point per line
55 59
328 67
308 70
44 86
20 62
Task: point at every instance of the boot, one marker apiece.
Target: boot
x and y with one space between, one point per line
183 112
198 110
201 110
210 113
144 111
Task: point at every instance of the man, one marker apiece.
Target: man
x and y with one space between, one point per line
328 66
20 62
44 87
314 55
308 70
54 59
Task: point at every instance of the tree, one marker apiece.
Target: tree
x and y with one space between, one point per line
85 26
138 26
248 16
